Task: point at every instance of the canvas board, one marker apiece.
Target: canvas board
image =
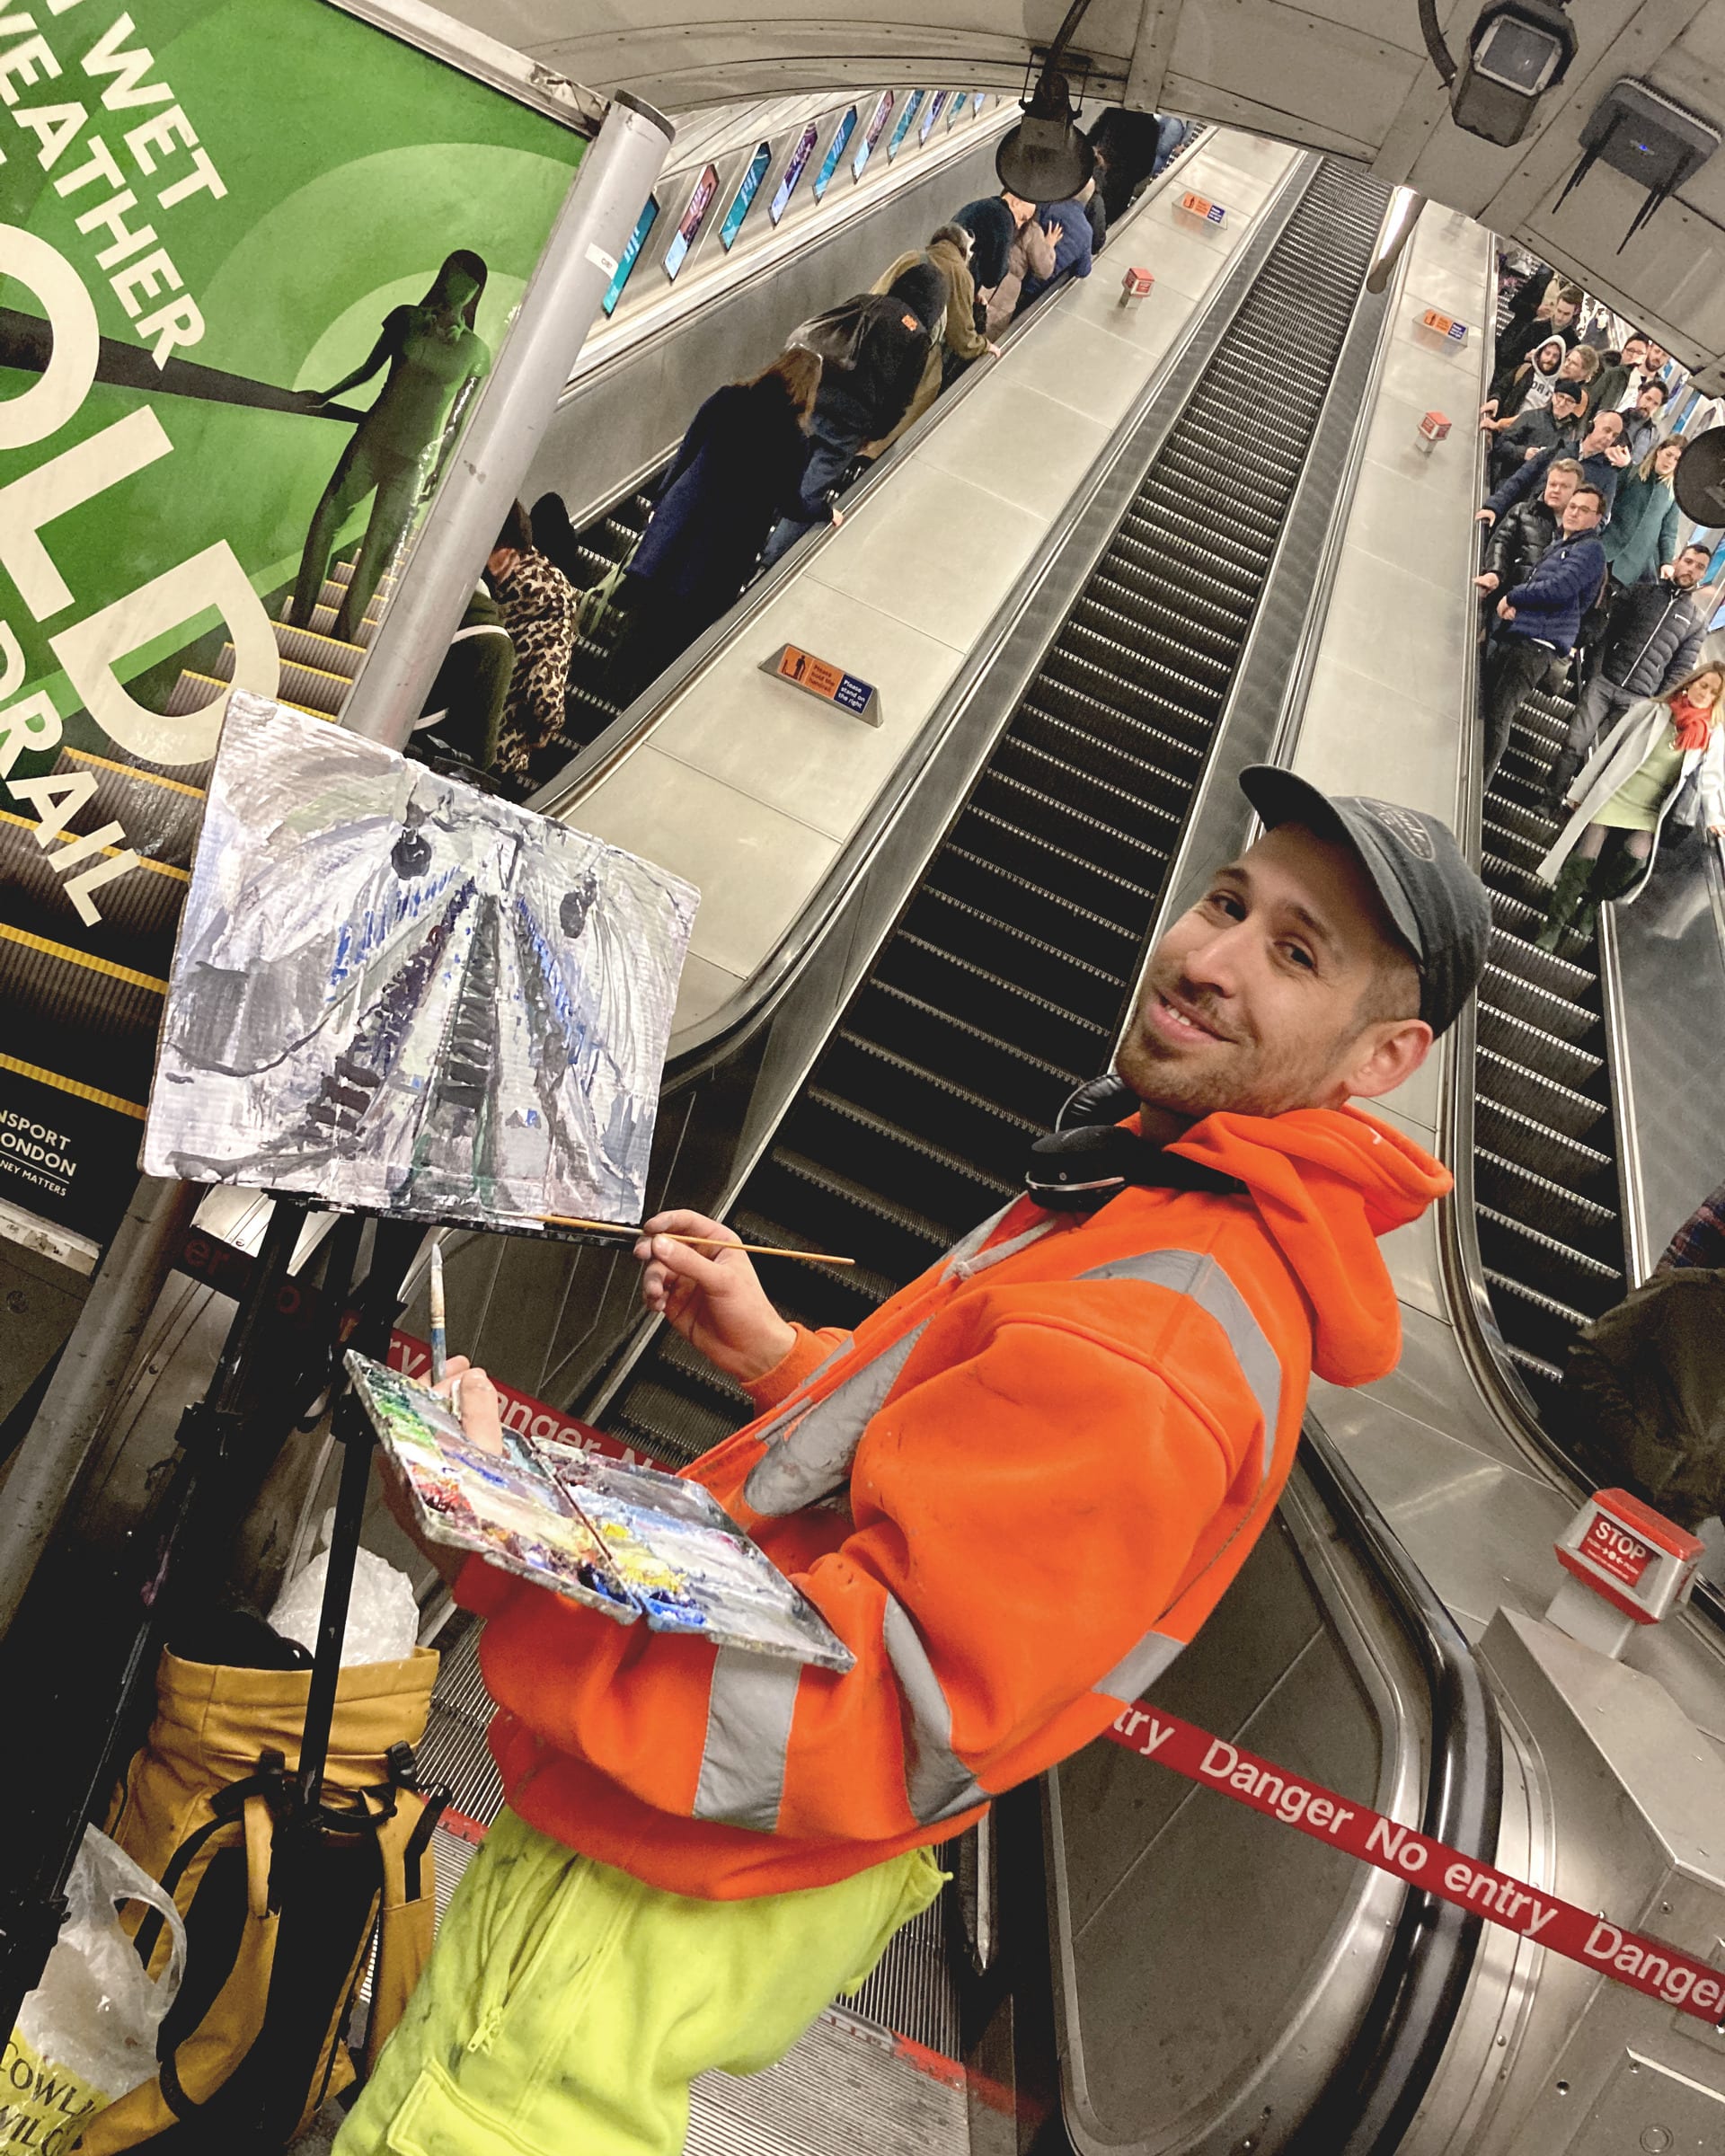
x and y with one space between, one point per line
398 993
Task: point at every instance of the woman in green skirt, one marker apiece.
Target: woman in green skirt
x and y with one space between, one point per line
1624 794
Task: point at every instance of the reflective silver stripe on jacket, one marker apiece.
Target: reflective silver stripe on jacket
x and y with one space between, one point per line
1197 1274
809 1450
1140 1667
813 1457
748 1738
937 1782
1200 1276
793 1407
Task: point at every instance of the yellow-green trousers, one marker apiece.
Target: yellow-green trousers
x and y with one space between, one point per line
567 2007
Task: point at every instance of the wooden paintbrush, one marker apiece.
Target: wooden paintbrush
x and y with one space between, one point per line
710 1242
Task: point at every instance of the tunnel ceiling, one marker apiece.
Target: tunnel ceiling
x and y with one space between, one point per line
1351 76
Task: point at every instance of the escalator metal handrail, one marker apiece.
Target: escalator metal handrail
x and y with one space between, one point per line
633 727
1430 1957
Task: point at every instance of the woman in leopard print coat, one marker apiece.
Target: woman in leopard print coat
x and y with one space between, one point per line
540 606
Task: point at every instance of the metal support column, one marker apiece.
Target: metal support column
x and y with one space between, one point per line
492 458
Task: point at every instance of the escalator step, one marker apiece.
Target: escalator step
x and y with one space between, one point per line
1008 1078
1229 594
1107 828
1511 1248
670 1424
1544 969
988 1137
1129 590
872 1152
1175 747
1054 862
1537 1096
1551 1209
1547 1152
1514 881
1007 1011
1061 922
971 933
1050 753
1130 633
1539 1323
854 1222
1073 671
1525 1003
847 1294
1127 670
1215 609
1545 1052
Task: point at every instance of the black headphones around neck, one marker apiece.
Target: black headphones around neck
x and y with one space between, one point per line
1089 1158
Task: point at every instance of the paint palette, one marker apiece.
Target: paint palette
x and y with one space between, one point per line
628 1540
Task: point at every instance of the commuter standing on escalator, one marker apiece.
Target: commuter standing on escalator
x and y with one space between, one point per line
1073 246
1539 618
1523 537
1015 1492
539 608
1625 794
872 349
957 340
1652 640
739 470
1032 256
993 223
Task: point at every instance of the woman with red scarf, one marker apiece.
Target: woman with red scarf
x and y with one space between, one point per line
1625 792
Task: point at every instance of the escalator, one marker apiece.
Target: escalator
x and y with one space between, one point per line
1545 1160
1002 986
587 556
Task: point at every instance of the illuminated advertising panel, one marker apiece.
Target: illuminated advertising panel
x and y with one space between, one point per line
799 157
256 262
882 114
694 218
936 105
913 105
840 144
758 165
626 261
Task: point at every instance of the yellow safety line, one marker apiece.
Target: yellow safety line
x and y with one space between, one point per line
71 1085
161 868
131 771
84 957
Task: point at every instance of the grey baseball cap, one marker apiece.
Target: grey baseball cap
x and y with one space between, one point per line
1438 904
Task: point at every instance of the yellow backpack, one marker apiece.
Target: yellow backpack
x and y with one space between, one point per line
282 1910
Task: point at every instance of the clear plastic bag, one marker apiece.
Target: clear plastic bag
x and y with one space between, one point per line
87 2034
383 1611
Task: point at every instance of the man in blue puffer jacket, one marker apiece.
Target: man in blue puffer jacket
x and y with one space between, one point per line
1541 618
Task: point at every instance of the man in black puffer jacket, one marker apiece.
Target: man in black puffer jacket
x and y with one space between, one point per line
1652 641
1523 536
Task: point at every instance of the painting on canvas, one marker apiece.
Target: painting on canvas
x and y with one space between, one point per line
399 993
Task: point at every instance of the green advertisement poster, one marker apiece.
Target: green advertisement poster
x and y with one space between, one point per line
257 258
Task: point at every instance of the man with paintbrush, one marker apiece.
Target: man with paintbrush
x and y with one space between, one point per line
1014 1493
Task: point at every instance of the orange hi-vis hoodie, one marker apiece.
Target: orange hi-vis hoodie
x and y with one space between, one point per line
1015 1493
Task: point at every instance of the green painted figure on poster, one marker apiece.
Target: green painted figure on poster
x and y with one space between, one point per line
436 362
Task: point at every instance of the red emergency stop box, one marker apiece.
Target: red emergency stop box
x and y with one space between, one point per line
1628 1565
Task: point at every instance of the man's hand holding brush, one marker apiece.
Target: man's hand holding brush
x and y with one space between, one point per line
714 1297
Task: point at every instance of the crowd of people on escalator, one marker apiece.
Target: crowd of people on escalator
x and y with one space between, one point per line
762 461
1594 584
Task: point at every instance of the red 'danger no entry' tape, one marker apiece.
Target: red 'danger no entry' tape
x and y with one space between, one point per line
1628 1958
